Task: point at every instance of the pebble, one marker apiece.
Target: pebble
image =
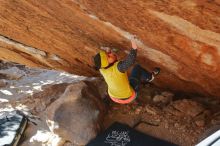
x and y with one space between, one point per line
200 123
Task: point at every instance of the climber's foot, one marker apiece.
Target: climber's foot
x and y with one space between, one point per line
156 71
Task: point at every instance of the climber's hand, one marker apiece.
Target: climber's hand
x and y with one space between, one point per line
108 50
133 44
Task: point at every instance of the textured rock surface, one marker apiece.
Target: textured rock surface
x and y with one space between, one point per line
185 107
164 98
77 115
182 121
180 36
39 89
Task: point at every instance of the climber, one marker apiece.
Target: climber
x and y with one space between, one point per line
121 89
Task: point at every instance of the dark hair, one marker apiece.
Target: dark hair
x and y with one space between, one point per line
97 61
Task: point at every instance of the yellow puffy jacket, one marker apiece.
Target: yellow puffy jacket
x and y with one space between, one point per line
118 83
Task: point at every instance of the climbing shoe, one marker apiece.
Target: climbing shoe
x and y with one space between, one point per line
156 71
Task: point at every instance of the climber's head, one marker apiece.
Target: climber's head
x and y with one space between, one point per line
112 57
104 59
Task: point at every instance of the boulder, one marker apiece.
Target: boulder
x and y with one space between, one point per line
188 107
77 115
164 98
12 73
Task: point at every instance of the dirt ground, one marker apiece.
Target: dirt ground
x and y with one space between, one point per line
180 119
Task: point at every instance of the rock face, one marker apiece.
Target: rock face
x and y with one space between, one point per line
76 116
40 92
181 37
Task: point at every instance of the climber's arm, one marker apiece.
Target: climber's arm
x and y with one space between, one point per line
130 60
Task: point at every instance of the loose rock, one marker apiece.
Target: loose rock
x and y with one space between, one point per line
188 107
76 115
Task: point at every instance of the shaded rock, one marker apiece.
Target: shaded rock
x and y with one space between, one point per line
161 99
216 119
69 144
100 86
150 110
166 125
12 73
153 120
164 98
138 110
147 92
127 119
170 109
200 120
49 94
167 94
176 125
76 116
188 107
5 64
200 123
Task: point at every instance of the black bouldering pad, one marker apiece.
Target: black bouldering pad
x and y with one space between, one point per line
122 135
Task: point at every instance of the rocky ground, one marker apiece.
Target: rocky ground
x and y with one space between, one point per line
180 120
45 95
